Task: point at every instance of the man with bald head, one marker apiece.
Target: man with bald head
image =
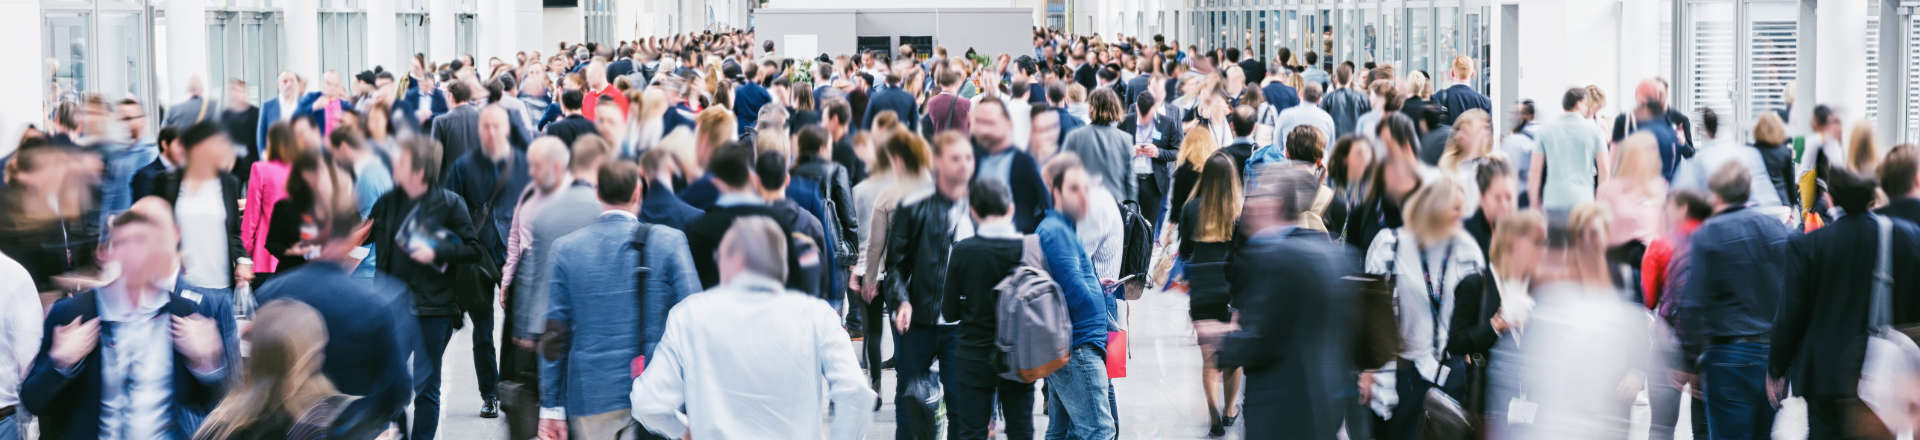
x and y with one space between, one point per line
598 89
489 179
560 200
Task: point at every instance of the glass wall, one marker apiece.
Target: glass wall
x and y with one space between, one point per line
1412 34
465 33
244 44
341 49
411 36
98 46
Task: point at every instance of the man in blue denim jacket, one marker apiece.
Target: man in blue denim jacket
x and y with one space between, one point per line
1078 393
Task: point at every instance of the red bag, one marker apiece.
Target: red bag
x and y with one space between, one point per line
639 364
1116 354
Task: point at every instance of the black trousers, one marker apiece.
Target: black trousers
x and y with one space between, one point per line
1846 419
1152 201
970 401
874 317
485 368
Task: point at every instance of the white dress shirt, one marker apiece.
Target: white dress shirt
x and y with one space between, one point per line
20 321
718 378
1100 233
203 235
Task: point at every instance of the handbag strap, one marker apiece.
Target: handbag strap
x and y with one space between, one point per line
640 236
1879 311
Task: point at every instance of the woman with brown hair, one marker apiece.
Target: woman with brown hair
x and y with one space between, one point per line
291 231
281 392
1207 236
266 186
1770 137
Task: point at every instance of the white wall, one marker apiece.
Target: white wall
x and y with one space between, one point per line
531 18
882 4
986 30
20 104
562 24
187 48
383 27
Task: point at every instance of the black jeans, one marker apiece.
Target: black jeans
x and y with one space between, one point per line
914 353
875 322
484 367
970 401
435 331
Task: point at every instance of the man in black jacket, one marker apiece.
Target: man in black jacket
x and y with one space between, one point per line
1243 121
918 240
1290 336
997 159
1738 278
976 266
573 125
426 229
1818 340
732 169
490 179
893 98
810 276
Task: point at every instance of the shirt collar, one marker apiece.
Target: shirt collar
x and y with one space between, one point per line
753 282
998 229
1241 140
619 213
115 307
738 199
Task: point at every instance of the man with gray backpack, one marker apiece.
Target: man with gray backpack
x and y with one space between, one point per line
1014 321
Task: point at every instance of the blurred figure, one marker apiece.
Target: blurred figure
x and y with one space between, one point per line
1209 233
194 109
1580 356
171 157
714 378
1493 307
1196 147
572 125
919 244
1817 343
424 229
266 189
1665 270
367 163
146 356
1632 199
661 206
1572 148
45 227
1737 279
372 330
1518 147
292 233
1291 307
1717 151
592 336
489 179
1435 251
241 119
998 159
281 393
20 321
1497 187
205 199
123 158
1776 152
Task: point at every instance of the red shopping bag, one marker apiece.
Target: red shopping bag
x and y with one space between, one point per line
1116 354
639 365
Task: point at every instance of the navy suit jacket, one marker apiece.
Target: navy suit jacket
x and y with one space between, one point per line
1030 197
69 406
892 98
270 113
661 206
1280 96
146 180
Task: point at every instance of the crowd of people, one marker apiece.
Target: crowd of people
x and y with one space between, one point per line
690 237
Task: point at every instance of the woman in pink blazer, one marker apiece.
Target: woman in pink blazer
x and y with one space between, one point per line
266 186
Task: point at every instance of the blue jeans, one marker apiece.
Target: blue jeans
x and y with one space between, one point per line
435 332
1736 385
12 427
913 356
1077 405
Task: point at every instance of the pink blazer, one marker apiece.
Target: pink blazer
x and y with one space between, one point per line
266 186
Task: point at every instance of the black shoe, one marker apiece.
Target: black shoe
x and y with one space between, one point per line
876 404
490 409
1228 420
1217 430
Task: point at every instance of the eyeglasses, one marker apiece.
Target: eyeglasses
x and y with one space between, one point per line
131 118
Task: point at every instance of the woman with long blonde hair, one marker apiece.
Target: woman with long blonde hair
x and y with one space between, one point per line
1195 148
1207 235
1634 196
1863 150
281 393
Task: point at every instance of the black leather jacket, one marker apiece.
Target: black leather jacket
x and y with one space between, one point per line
918 238
838 191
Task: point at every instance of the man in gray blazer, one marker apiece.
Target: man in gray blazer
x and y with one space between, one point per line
459 129
592 298
195 109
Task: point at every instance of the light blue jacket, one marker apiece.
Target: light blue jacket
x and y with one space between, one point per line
592 293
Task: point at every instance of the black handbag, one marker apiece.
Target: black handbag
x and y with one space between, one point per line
1377 329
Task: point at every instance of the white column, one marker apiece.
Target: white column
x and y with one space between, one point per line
441 35
302 38
383 28
530 33
186 41
1839 53
1640 40
499 29
20 26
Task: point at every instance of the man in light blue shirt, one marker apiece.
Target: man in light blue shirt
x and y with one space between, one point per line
1571 152
1716 153
1309 115
371 179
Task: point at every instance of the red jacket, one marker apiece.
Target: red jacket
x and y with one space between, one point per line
1653 265
591 101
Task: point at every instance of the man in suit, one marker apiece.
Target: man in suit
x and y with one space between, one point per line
1818 344
592 291
570 127
459 130
289 104
1084 72
1156 143
490 179
892 98
1142 78
660 205
1461 96
159 362
621 66
1298 394
146 180
1243 121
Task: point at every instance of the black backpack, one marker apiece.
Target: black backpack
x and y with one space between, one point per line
1136 255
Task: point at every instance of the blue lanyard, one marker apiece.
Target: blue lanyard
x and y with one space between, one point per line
1433 290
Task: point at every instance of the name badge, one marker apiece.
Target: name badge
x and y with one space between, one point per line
190 296
1521 412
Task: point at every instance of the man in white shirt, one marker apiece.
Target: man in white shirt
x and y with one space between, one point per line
1309 114
763 380
19 339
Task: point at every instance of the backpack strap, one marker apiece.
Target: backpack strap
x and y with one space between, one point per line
641 271
1031 253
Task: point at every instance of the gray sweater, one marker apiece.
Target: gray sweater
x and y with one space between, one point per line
1105 151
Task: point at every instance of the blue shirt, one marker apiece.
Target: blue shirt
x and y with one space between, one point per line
747 100
1068 264
1668 142
996 166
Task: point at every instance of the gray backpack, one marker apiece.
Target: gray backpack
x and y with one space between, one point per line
1035 332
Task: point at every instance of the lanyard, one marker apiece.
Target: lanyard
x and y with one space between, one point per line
1433 291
